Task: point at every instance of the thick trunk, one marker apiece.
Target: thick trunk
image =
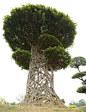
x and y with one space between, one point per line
40 84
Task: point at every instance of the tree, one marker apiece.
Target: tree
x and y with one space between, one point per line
81 102
76 63
73 103
38 36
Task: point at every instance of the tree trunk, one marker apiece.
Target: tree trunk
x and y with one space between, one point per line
40 87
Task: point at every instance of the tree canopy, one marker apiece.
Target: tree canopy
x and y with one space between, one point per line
75 63
22 58
39 25
82 89
79 75
78 61
56 57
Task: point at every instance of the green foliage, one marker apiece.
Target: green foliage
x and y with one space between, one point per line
22 58
63 101
84 82
57 57
46 40
82 89
36 24
23 26
13 103
2 100
81 102
5 102
77 61
55 101
79 75
72 106
73 103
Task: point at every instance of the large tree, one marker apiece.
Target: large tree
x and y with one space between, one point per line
38 36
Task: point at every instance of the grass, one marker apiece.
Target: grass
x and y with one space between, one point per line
18 108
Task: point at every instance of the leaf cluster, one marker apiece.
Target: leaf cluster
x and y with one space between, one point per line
42 26
26 23
79 75
53 49
57 57
46 40
82 89
63 101
77 61
22 58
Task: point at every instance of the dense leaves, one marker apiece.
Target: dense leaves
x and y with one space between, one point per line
82 89
78 61
63 101
47 40
57 57
22 58
79 75
25 24
39 26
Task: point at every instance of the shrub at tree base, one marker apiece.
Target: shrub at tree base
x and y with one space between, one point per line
72 106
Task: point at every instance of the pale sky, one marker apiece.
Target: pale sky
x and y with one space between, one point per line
13 79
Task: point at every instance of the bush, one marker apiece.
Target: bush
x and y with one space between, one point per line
2 100
6 102
63 101
72 106
13 103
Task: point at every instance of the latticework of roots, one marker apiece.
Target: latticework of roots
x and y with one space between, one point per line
40 89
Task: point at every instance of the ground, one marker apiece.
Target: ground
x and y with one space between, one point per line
18 108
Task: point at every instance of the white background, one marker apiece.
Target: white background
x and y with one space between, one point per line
13 79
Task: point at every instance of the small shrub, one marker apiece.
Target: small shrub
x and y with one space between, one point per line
63 101
13 103
72 106
2 100
55 101
6 102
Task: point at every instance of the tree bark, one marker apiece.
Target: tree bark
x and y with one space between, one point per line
52 78
78 68
40 83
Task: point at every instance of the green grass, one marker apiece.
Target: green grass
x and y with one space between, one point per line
18 108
